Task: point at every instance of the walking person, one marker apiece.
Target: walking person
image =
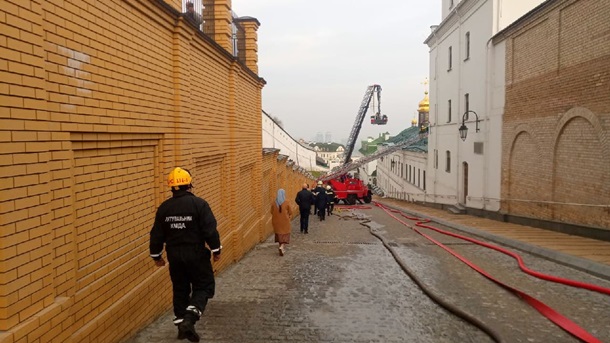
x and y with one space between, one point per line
314 191
304 199
320 194
184 223
330 198
281 213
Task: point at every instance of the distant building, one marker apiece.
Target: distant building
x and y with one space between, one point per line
330 153
402 174
369 146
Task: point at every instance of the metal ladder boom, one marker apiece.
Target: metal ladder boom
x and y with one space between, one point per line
364 106
351 166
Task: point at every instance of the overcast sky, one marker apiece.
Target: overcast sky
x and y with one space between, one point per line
319 56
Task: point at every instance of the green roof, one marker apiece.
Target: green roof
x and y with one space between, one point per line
368 148
408 133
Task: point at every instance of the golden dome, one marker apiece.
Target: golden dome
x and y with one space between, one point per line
424 105
413 121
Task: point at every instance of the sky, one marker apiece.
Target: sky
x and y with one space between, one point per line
319 56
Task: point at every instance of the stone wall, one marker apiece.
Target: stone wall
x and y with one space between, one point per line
99 100
556 126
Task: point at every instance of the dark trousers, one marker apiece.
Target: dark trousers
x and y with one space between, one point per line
330 207
304 219
322 212
192 277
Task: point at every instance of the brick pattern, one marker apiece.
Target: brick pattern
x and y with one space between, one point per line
556 123
212 167
98 101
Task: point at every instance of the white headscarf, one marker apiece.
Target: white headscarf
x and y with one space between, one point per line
281 197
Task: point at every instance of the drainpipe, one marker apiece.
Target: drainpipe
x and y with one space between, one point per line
458 171
489 94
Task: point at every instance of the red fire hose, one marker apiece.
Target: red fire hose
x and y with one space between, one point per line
563 322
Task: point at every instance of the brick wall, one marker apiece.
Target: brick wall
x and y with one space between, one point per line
556 155
99 100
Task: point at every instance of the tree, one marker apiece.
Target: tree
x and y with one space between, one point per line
277 120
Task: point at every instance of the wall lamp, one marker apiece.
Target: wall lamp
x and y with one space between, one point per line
464 129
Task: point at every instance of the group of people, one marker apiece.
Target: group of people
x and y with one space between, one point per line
184 224
322 199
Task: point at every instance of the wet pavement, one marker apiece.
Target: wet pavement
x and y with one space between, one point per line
587 254
340 284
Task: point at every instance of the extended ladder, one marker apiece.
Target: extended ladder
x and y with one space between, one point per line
364 106
353 165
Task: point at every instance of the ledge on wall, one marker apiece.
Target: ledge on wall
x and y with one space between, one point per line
570 229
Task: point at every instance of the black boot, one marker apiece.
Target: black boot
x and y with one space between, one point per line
186 329
181 334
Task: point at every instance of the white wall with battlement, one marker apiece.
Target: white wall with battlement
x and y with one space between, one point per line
276 137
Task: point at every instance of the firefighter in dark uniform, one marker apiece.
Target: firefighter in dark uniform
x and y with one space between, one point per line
304 199
320 196
330 198
185 223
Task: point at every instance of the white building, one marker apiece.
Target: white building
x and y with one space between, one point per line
368 171
274 136
331 153
467 74
402 174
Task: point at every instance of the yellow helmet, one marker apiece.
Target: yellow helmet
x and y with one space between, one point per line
179 177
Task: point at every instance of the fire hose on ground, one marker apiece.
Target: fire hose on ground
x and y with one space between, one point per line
554 316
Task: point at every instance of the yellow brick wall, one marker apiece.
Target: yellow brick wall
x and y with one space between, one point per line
556 156
98 101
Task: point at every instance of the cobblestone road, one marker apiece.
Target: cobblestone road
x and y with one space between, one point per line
340 284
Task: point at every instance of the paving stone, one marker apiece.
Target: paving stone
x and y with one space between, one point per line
340 284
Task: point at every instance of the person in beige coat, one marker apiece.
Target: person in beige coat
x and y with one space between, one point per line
281 213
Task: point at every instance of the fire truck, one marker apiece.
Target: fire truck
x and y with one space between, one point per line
349 188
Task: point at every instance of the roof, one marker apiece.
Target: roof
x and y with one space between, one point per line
367 148
408 133
327 146
320 162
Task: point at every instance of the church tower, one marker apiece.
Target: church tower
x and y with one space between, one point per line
424 110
